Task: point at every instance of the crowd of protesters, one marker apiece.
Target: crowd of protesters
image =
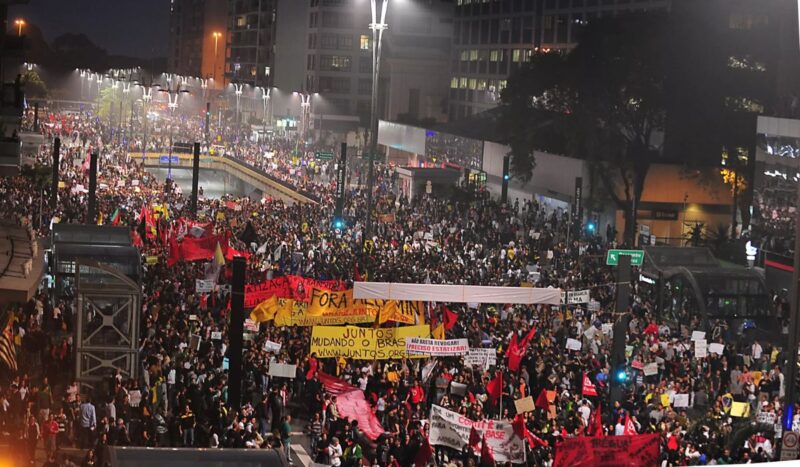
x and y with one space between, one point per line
181 395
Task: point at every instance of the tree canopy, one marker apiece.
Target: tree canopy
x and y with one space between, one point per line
603 102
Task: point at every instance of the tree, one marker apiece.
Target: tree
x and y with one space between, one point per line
603 102
34 86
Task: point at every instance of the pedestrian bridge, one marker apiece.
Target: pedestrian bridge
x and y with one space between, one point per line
268 184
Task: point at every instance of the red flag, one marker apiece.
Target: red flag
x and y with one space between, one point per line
356 273
424 454
541 400
495 386
588 387
487 459
449 318
474 438
522 431
630 428
516 350
174 252
596 422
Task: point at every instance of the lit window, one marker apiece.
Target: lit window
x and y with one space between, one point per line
454 83
481 85
515 55
472 83
364 42
501 84
473 55
464 56
462 83
494 56
241 21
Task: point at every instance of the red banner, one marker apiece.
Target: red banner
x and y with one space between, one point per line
608 451
193 249
352 405
294 287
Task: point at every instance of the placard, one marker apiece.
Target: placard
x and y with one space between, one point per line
273 347
203 286
700 348
216 335
716 348
651 369
576 297
681 400
740 409
573 344
768 418
458 389
282 370
697 335
525 405
484 358
250 325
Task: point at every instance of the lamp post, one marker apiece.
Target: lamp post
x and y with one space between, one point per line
377 28
305 113
216 35
237 89
172 104
19 23
265 98
147 96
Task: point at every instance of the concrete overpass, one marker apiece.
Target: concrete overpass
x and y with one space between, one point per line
257 178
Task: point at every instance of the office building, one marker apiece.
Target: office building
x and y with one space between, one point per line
338 61
492 37
250 55
197 38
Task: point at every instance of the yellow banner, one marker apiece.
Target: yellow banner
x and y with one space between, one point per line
364 343
327 308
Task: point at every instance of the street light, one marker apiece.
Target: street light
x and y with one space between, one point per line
172 104
265 97
216 35
377 28
237 89
19 23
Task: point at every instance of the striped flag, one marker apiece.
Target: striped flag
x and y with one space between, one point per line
8 355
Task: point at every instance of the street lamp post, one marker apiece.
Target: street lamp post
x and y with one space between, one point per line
19 23
172 104
147 96
265 98
377 28
305 113
237 88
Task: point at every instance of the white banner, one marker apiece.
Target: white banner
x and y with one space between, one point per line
436 347
282 370
273 347
575 297
451 429
456 293
203 286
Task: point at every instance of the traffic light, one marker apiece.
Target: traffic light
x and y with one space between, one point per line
506 177
338 224
621 376
590 227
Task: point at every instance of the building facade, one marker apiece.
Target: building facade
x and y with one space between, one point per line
250 41
194 49
493 37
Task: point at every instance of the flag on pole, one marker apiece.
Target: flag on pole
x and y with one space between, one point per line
474 438
424 454
596 422
487 459
449 318
588 387
8 354
630 427
115 218
495 386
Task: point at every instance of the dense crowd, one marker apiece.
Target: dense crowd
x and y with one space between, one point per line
692 401
774 203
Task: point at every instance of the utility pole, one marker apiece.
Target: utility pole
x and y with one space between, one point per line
195 179
794 327
619 375
56 154
92 189
236 333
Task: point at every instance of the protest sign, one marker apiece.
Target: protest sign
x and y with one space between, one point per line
716 348
250 325
681 400
697 335
203 286
481 357
216 335
576 297
451 429
282 370
458 389
273 347
768 418
573 344
740 409
700 348
364 343
524 405
651 369
436 347
590 451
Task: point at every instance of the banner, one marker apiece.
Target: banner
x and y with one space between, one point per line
352 405
451 429
607 451
456 293
203 286
282 370
294 287
435 347
364 343
575 297
405 312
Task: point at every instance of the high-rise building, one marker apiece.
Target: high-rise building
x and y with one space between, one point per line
414 61
492 37
197 38
250 55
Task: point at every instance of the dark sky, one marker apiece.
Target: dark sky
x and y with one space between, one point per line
138 28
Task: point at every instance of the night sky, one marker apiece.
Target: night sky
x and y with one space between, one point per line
138 28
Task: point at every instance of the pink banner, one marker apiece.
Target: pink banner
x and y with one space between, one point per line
352 405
